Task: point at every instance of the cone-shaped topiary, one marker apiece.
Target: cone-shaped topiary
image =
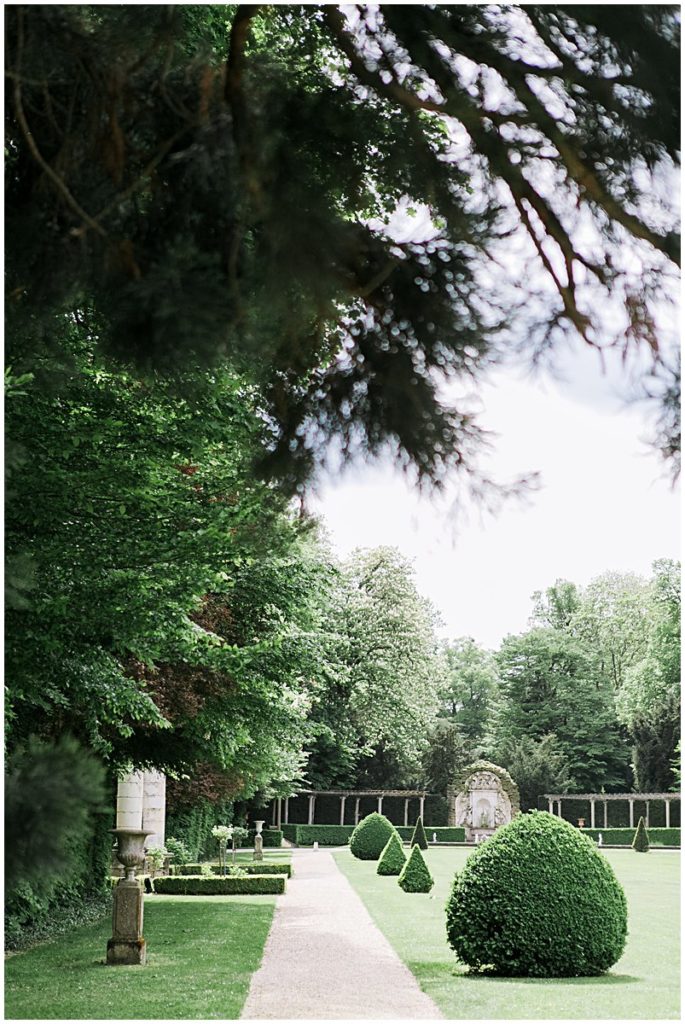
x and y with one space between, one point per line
415 876
537 899
392 859
641 838
419 835
368 840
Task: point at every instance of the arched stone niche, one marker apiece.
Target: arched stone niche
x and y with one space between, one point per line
483 797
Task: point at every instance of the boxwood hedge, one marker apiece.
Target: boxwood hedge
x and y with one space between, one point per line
258 868
537 899
625 836
194 885
392 859
368 840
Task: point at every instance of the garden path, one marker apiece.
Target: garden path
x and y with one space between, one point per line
325 959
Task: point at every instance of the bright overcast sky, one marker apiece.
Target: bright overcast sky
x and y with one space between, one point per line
604 504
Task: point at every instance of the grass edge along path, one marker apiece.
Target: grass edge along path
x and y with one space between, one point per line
644 984
202 953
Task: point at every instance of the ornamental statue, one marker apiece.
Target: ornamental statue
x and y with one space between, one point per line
482 797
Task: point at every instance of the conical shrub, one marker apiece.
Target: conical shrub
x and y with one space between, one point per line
419 835
392 859
641 838
369 838
415 876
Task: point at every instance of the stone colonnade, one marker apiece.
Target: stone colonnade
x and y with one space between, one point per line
141 803
280 807
554 802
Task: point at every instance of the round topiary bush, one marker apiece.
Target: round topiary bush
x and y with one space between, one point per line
537 899
368 840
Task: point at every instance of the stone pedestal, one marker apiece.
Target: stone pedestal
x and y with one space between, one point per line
258 848
127 945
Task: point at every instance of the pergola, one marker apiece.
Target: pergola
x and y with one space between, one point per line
604 798
281 803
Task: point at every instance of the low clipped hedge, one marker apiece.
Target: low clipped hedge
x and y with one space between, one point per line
324 835
369 838
195 885
258 868
625 836
272 838
339 835
537 899
443 834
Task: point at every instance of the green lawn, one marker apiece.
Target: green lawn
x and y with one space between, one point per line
644 984
202 953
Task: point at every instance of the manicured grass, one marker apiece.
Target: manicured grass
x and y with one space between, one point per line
644 984
202 953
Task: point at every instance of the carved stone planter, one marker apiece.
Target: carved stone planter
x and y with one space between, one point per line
127 945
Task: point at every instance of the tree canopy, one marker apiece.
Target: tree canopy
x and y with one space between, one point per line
215 182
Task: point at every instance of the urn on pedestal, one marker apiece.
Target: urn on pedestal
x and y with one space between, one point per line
258 841
127 945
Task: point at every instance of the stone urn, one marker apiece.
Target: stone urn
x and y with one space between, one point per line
130 849
258 841
127 945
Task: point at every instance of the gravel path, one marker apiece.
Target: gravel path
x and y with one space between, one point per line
325 959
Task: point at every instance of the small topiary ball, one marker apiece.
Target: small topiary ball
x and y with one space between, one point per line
392 858
368 840
537 899
415 876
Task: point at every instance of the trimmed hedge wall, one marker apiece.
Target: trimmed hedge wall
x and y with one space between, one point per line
339 835
258 868
324 835
248 885
272 838
444 835
625 836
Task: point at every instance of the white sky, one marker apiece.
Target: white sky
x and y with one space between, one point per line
604 504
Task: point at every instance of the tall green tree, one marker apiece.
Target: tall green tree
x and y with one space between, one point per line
384 695
470 690
550 685
649 700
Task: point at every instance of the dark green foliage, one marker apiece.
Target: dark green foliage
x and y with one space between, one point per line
415 876
537 900
52 791
272 838
258 868
537 767
324 835
444 834
640 842
173 199
58 845
551 684
250 885
368 840
392 859
625 836
418 836
29 920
